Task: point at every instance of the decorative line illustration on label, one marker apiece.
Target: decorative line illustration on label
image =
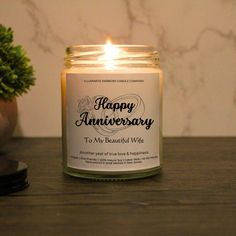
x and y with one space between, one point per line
110 116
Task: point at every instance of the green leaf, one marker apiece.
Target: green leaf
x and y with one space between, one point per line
16 72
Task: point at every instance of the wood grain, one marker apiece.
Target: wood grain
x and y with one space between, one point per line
194 195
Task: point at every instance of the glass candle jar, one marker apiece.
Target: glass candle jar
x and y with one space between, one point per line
112 112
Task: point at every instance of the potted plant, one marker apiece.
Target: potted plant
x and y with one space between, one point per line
16 77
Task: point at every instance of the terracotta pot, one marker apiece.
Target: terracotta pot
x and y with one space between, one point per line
8 118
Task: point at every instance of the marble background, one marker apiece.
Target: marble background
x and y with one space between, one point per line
196 40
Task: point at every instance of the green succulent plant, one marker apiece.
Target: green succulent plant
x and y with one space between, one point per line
16 72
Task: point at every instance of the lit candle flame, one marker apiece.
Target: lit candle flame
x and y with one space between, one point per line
111 53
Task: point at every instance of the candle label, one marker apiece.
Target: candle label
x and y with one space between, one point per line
113 121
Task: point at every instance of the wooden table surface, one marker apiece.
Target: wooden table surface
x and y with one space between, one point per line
194 195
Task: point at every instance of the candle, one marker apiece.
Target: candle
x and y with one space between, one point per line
111 112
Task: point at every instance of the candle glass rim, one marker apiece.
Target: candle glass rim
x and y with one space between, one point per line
120 45
93 54
76 48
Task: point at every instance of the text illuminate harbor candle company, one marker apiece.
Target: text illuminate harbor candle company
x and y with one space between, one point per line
112 112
